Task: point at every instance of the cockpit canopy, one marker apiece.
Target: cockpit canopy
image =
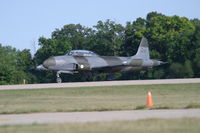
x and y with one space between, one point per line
81 53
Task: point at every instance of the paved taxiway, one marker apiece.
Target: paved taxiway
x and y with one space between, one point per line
95 116
100 83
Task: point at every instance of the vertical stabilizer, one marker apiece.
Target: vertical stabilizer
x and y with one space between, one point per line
143 50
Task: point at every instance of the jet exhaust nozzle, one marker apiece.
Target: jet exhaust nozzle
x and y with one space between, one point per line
163 63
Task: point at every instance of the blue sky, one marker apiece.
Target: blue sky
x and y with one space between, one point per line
22 22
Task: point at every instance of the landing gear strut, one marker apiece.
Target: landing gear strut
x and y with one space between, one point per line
58 79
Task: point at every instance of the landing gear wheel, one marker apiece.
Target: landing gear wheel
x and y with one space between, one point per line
59 80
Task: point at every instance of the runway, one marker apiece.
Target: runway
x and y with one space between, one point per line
100 83
73 117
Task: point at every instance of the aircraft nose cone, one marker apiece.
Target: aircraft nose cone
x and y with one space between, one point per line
49 62
40 67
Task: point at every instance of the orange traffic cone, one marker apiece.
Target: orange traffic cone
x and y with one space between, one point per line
149 100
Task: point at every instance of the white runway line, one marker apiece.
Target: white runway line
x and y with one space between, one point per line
100 83
72 117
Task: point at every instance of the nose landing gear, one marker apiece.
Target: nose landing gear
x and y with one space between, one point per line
58 78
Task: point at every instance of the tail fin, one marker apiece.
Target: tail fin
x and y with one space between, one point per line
143 50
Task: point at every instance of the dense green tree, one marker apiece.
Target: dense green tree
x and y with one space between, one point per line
196 63
75 33
8 57
108 38
176 70
188 71
170 36
25 63
15 65
24 59
158 74
195 52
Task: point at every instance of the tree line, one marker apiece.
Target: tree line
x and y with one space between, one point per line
171 38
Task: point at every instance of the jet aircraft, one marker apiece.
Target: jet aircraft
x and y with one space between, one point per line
87 61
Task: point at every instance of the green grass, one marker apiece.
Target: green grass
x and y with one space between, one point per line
99 98
183 125
192 106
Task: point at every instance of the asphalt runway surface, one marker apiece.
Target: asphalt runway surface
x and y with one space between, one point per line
73 117
100 83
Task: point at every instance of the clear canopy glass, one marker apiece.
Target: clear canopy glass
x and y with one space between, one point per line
81 53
